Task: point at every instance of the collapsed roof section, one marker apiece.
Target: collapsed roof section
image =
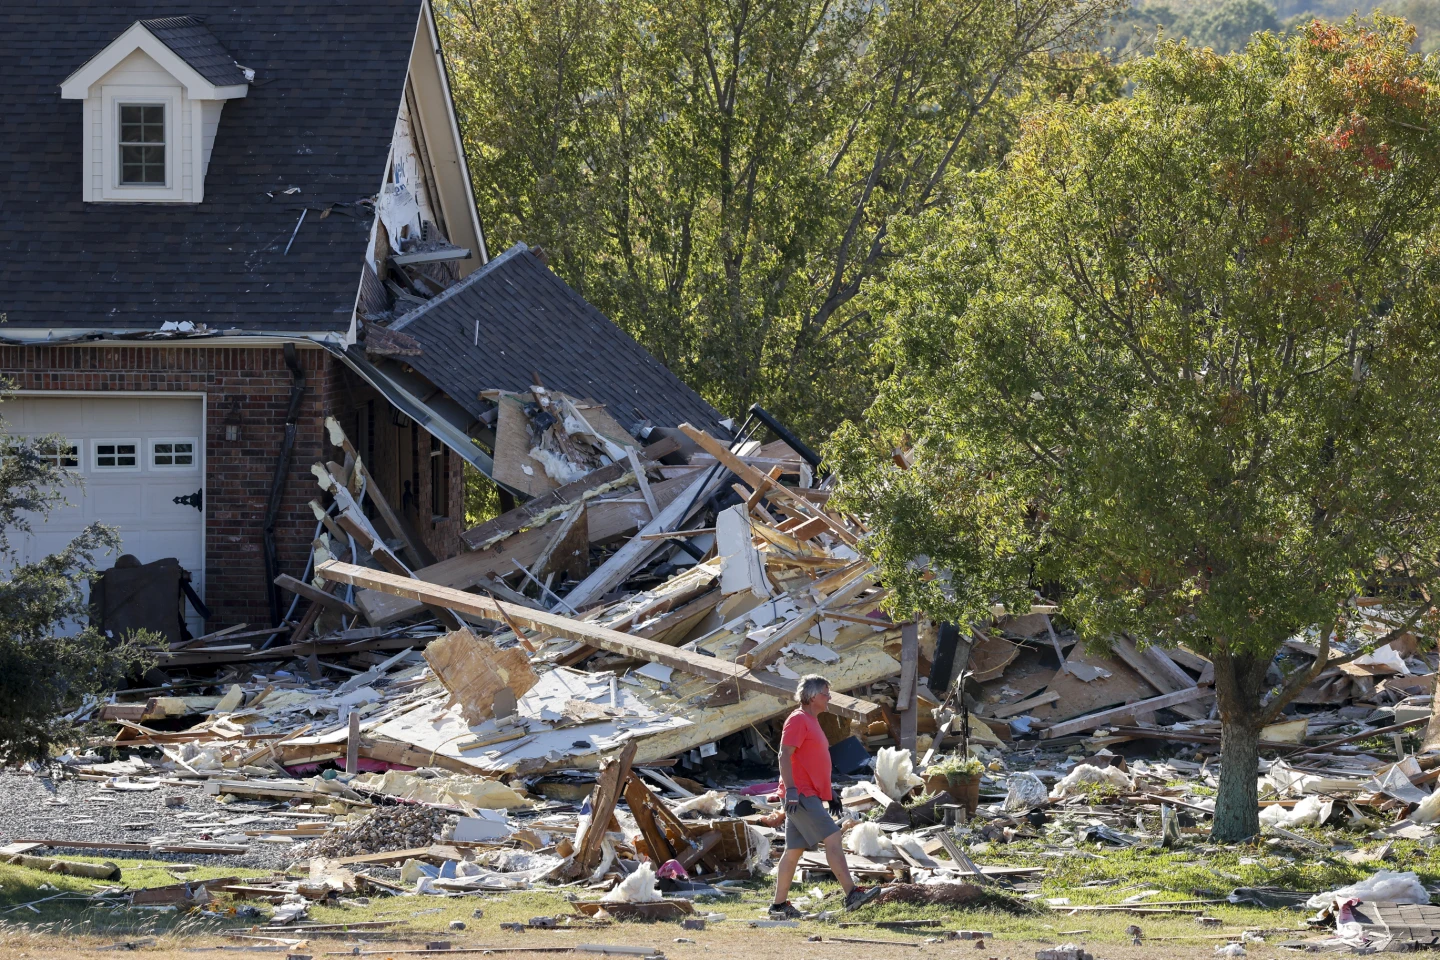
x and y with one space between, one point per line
514 321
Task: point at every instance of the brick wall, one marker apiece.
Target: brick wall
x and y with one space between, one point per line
244 386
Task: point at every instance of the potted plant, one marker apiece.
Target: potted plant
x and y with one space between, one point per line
962 779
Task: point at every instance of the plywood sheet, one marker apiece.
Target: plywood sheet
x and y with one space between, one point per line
1079 697
475 670
514 466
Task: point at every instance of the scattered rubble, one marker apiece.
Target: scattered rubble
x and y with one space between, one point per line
590 692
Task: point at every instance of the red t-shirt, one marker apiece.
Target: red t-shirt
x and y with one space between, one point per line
810 763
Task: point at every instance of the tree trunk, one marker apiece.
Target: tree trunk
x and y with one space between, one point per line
1239 686
1237 806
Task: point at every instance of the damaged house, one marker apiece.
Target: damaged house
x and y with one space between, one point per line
225 224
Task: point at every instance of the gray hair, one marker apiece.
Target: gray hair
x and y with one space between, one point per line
809 686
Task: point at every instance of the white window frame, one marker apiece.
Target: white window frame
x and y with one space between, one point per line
79 446
112 99
96 444
191 467
120 144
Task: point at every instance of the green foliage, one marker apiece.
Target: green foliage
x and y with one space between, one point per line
47 672
719 178
1176 355
482 498
1174 364
955 765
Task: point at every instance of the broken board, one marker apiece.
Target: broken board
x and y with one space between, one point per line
1080 697
475 670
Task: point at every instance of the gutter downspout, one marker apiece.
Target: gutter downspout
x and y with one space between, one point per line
277 485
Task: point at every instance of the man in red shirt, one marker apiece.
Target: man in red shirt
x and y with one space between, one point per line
805 778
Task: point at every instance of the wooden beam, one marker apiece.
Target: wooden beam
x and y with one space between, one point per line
300 587
907 703
614 773
642 481
595 482
712 668
756 479
1090 722
1006 710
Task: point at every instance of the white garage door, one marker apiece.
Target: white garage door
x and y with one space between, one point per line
136 455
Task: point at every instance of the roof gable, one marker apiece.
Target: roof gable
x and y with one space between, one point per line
191 55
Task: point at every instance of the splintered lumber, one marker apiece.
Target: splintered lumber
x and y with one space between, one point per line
314 595
398 528
606 520
359 527
1090 722
475 670
636 550
711 668
757 480
558 501
614 772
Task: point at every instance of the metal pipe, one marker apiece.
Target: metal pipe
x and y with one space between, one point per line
783 432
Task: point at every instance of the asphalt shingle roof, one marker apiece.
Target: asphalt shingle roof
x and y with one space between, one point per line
197 46
513 318
319 117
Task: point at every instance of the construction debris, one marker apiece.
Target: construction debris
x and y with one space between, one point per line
590 692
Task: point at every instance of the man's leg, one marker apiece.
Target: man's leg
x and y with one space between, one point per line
789 860
835 856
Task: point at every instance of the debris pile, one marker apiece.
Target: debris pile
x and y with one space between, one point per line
590 692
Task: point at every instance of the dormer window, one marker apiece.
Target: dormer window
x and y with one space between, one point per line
142 144
152 103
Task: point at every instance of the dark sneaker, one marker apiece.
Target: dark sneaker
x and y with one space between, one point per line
860 896
784 911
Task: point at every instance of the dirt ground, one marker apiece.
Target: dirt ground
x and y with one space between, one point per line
718 941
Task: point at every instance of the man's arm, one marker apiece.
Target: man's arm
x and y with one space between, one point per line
787 777
787 770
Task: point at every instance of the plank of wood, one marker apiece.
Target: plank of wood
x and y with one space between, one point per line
592 634
394 856
642 481
596 481
614 773
314 595
1081 724
1160 672
755 479
607 519
906 701
1007 710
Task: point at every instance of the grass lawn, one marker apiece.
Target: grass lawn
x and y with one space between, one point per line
1193 872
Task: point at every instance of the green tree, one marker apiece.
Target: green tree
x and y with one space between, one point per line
52 661
1176 360
1226 27
718 176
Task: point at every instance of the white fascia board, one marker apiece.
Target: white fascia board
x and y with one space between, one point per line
77 85
427 23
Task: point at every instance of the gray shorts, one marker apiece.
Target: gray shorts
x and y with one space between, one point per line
809 825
